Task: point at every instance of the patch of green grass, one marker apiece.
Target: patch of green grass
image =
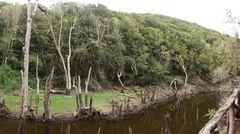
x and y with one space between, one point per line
13 102
169 78
62 104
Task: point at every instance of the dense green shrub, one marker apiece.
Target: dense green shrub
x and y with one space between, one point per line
142 46
9 79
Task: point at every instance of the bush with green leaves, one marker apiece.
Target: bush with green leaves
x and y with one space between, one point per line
9 79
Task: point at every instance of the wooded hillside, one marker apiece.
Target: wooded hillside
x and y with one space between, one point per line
137 49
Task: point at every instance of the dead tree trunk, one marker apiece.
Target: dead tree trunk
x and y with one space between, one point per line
174 90
47 101
57 44
37 97
80 91
69 58
180 60
212 124
86 86
99 26
77 94
119 74
30 15
90 105
231 121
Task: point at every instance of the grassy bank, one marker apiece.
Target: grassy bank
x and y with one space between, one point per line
62 104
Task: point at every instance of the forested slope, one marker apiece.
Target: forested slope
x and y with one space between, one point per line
144 48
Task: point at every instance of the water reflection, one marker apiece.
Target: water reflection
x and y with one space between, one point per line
20 127
48 128
189 120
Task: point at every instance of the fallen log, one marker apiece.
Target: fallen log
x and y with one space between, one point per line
55 91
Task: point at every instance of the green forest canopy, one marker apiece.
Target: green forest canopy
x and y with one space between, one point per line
142 46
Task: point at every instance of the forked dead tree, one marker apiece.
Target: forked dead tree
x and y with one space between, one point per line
30 16
57 43
119 74
69 57
99 27
180 61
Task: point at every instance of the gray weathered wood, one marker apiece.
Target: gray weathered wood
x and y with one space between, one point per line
30 15
231 120
47 107
212 124
86 86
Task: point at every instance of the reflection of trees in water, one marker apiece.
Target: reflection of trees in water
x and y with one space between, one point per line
99 130
20 127
149 121
48 129
183 127
65 129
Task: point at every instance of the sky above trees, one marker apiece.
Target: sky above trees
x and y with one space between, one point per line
208 13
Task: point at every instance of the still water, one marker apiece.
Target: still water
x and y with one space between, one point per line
149 122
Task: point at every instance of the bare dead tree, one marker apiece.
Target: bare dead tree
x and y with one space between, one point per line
99 27
86 86
119 74
77 94
69 57
47 93
57 43
37 98
11 15
180 61
174 90
80 91
30 16
134 67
